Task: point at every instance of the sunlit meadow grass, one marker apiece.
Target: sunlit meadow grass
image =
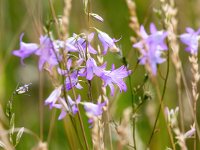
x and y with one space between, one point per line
117 74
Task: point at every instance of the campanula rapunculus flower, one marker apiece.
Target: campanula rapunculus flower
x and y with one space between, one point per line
107 42
93 110
151 47
47 53
25 50
53 97
92 68
191 39
115 76
74 104
81 44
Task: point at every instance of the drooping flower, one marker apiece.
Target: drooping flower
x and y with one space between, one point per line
74 104
92 68
191 39
151 47
93 110
115 76
47 53
62 105
53 97
107 41
81 44
25 50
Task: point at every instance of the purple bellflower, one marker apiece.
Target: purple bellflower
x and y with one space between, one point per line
92 68
47 53
71 78
107 41
93 110
53 97
26 49
151 47
81 44
191 39
74 104
115 76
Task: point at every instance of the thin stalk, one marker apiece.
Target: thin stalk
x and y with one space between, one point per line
190 104
162 99
41 111
110 134
163 111
79 115
52 122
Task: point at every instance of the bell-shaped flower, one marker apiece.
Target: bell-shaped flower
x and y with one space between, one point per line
25 50
93 110
107 41
92 68
53 97
151 47
191 39
74 104
47 53
115 76
81 44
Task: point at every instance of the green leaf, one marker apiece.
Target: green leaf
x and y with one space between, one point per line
12 123
8 109
19 135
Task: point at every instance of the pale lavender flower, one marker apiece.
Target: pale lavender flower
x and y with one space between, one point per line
72 81
93 110
25 50
152 57
151 47
107 41
81 44
115 76
191 39
92 68
74 104
47 53
53 97
62 105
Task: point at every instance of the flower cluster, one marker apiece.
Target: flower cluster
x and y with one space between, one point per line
151 47
74 58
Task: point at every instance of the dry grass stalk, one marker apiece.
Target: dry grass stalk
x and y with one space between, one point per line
97 134
124 130
134 23
65 18
196 77
170 21
135 26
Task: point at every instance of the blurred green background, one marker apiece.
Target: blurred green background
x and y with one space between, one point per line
29 16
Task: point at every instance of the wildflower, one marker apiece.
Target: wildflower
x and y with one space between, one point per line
92 68
151 47
25 50
107 41
72 81
47 53
73 104
62 105
93 110
54 96
81 44
115 76
191 39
